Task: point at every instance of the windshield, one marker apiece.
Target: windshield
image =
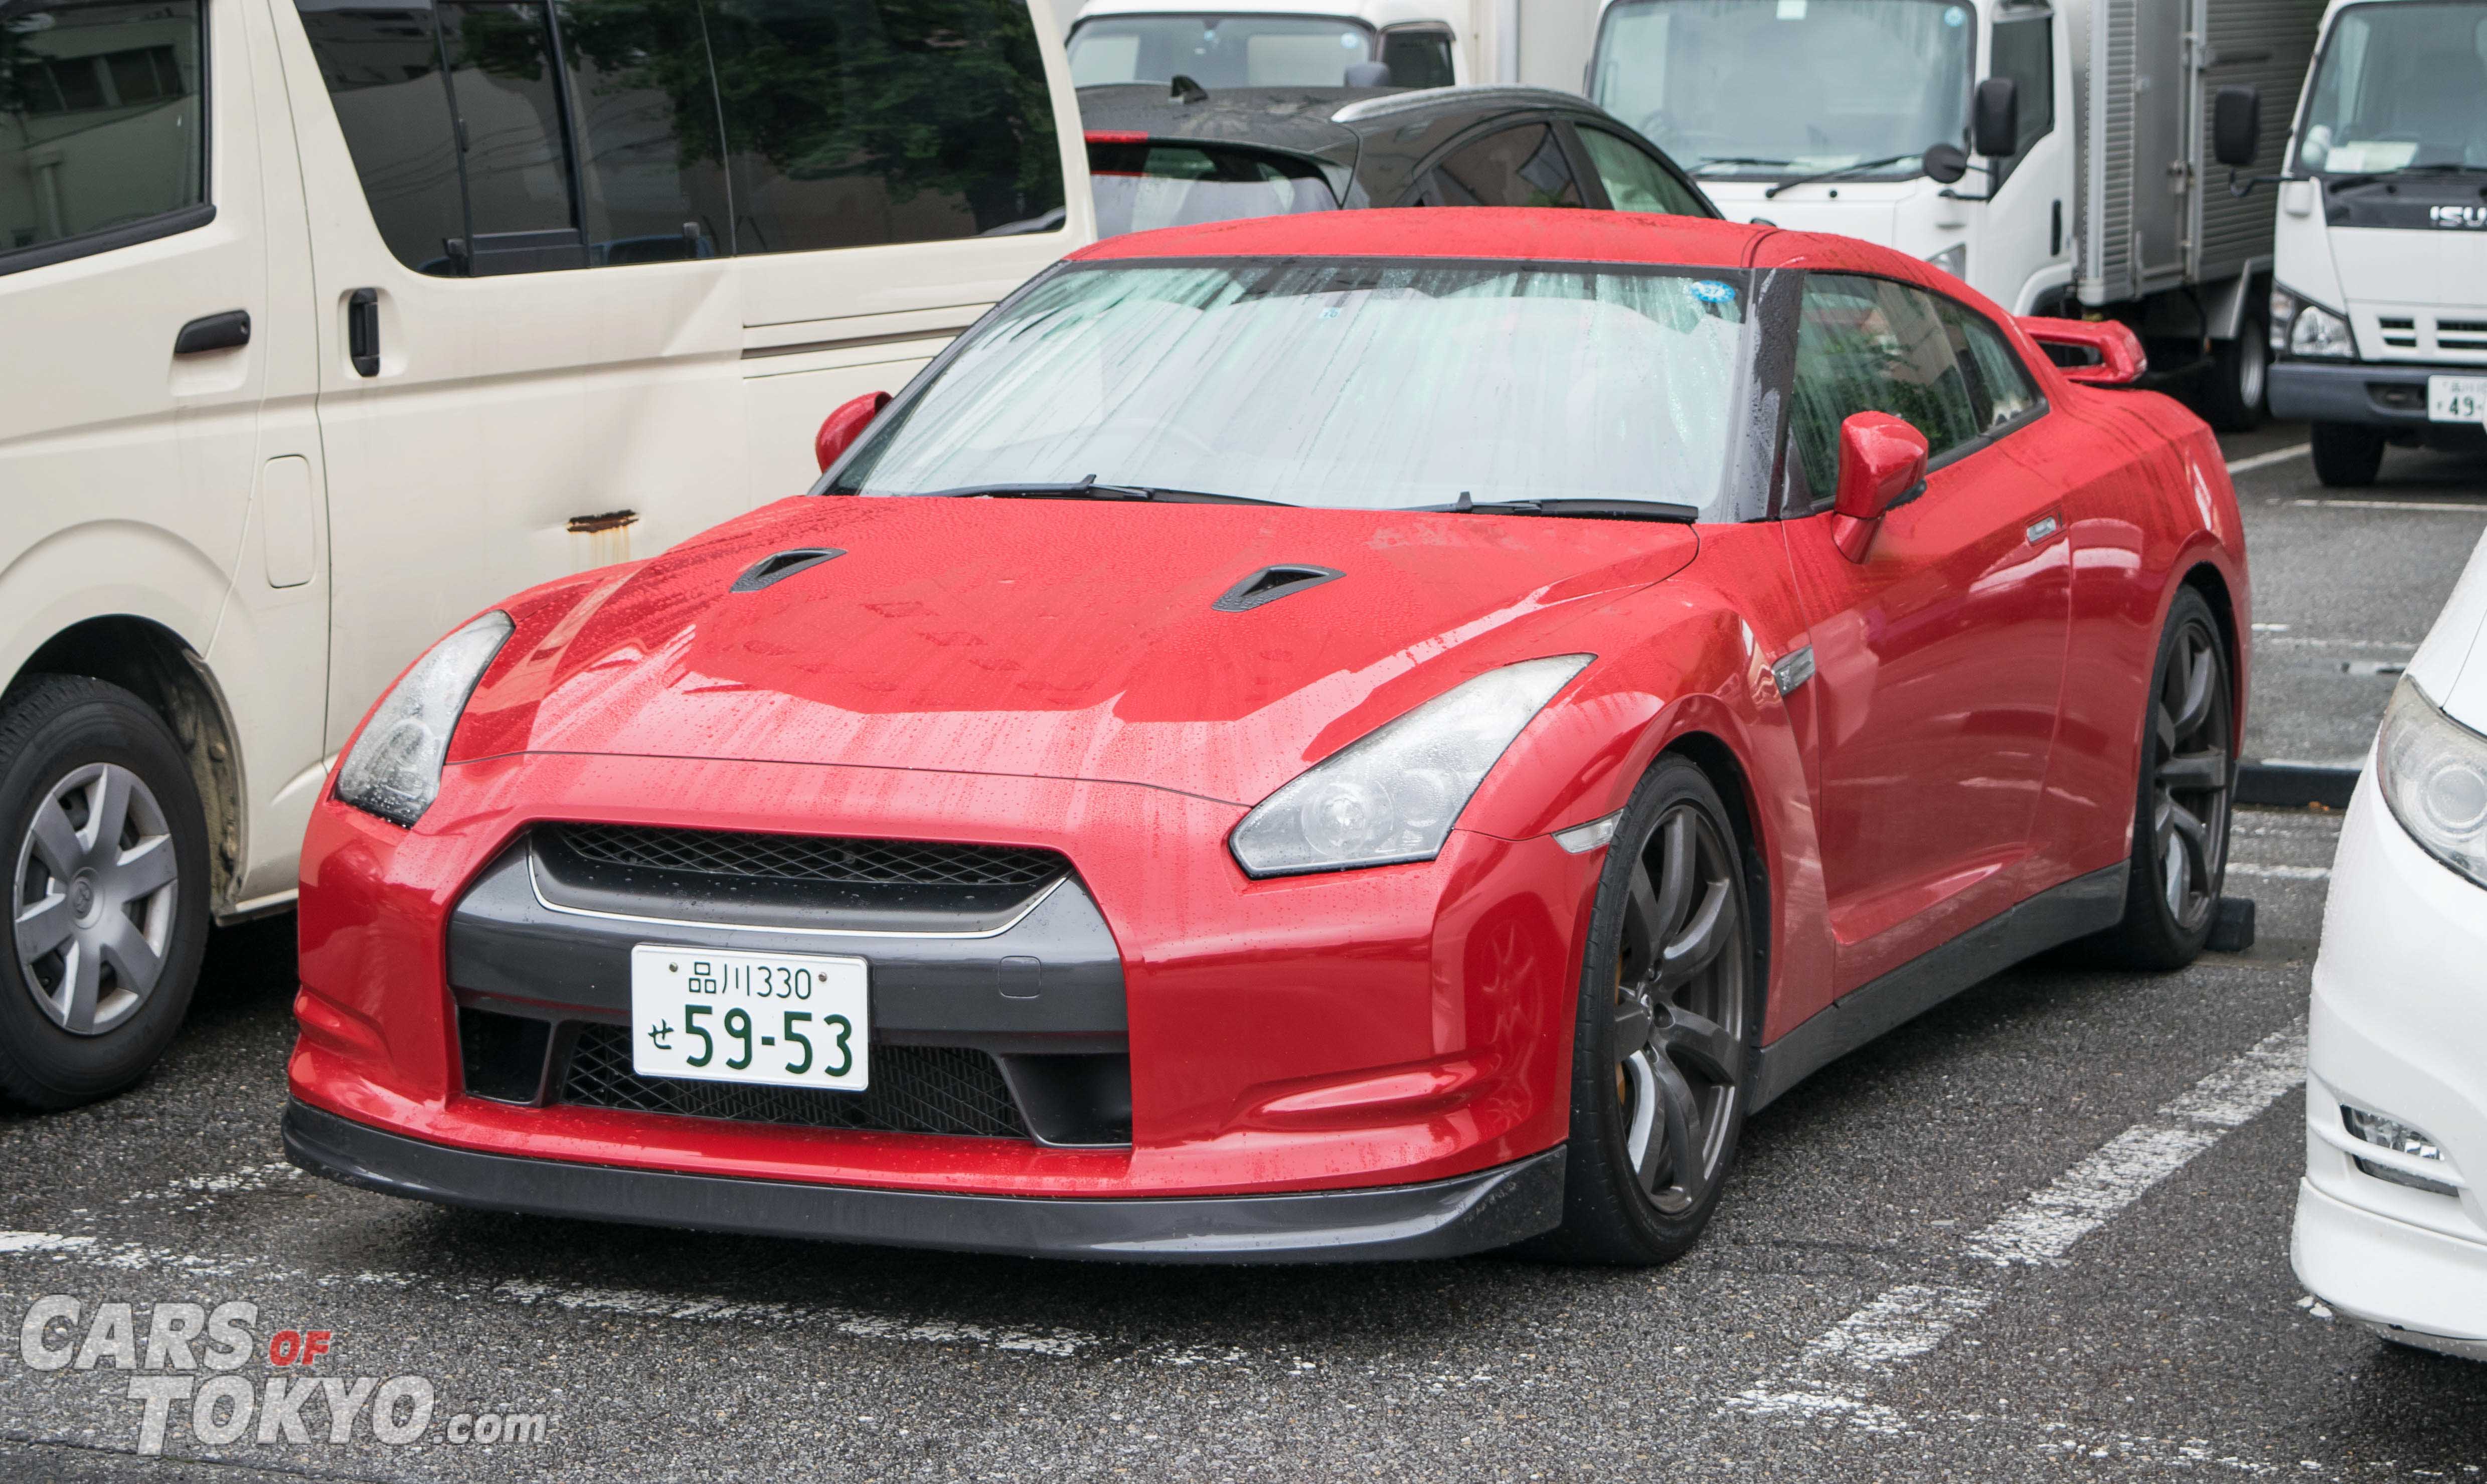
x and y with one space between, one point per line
1355 385
1141 186
1783 87
1218 51
2400 86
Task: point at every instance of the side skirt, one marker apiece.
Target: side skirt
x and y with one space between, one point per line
2082 906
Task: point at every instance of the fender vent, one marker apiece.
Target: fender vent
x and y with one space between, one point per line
1271 583
778 566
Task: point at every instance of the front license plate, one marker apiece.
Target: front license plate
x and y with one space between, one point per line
786 1019
2456 399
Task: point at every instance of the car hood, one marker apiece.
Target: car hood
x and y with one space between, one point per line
1057 638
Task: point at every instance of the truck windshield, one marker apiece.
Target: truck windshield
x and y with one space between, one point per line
1783 88
1218 51
2400 87
1356 383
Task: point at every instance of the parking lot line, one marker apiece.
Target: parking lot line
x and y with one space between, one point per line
2264 460
1834 1377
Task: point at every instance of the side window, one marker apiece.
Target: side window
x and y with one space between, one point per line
849 123
1869 345
499 136
1634 181
1999 388
1417 56
1524 166
2025 51
99 117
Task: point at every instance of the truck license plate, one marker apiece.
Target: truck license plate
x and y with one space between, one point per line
2456 399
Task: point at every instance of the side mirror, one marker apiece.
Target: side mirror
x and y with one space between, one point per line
2236 125
840 428
2095 353
1882 461
1996 129
1368 74
1944 163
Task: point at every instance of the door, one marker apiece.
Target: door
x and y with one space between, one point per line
2024 244
1938 658
2162 87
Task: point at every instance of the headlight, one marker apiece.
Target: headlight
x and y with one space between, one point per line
1953 260
2299 326
1392 794
2432 774
394 771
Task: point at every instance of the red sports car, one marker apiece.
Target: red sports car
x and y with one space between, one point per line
1358 734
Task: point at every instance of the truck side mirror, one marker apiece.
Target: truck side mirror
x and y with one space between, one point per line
1368 74
842 427
1944 163
1996 131
2236 125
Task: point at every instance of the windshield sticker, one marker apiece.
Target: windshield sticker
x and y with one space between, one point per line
1955 17
1710 290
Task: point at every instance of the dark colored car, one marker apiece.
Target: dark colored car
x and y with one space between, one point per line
1183 156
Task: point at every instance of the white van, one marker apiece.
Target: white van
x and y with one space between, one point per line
327 322
1278 43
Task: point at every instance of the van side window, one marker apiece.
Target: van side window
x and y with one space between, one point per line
503 136
100 118
1523 166
1869 345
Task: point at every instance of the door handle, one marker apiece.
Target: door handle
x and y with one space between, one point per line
2042 528
214 332
363 330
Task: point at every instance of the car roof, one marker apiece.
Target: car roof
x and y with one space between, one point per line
1517 232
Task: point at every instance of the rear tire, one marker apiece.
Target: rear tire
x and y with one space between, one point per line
2233 399
1668 1035
107 854
2346 456
2180 830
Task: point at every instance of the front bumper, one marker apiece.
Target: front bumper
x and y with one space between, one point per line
2368 394
1477 1212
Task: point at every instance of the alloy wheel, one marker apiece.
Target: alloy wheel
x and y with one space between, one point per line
2191 775
1679 1016
96 898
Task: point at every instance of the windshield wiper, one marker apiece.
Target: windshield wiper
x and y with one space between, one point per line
1833 174
1090 490
2370 176
1707 160
1582 510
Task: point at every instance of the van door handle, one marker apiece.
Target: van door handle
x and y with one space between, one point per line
214 332
363 330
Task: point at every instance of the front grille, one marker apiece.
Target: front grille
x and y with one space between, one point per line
915 1089
810 858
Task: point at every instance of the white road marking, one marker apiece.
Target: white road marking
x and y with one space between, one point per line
197 1191
2265 461
2281 873
2446 509
1834 1377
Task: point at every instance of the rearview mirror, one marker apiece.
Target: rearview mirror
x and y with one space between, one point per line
1944 163
840 428
1998 128
2095 353
1881 462
2236 125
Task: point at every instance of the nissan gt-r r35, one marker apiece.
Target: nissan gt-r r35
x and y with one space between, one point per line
1369 733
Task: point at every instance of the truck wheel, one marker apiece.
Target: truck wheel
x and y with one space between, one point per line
2347 456
2232 401
108 916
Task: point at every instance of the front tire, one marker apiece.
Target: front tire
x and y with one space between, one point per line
108 911
2346 456
1669 1028
2180 831
2233 401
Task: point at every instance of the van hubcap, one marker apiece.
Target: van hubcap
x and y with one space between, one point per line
97 891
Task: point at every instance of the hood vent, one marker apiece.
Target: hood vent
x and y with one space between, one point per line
778 566
1271 583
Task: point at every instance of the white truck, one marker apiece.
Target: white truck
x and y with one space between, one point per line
2378 308
2058 156
1408 44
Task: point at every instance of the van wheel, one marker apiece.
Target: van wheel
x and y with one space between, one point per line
2346 456
1669 1031
108 913
2232 401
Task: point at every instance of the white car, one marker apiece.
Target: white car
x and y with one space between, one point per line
2391 1218
329 322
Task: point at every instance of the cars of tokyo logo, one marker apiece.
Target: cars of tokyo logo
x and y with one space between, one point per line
191 1365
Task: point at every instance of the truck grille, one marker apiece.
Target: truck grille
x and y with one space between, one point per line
810 858
915 1089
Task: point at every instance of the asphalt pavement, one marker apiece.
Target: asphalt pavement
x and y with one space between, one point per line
2040 1231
